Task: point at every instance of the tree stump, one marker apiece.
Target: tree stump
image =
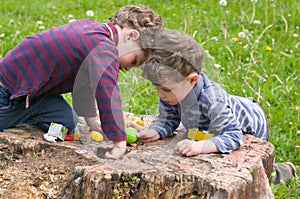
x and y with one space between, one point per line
152 170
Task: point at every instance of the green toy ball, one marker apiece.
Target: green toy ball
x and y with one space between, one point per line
131 135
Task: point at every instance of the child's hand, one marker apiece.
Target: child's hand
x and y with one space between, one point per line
187 147
94 123
118 151
148 135
191 147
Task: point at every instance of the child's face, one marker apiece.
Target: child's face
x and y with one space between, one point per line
130 52
172 92
131 59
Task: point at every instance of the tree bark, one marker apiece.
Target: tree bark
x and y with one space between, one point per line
153 171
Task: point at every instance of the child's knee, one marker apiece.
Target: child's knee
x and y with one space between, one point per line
71 124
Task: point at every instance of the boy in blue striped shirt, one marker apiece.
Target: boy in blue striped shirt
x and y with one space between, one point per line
82 57
188 96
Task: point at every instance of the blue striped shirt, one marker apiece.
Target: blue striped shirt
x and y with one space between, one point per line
80 57
210 108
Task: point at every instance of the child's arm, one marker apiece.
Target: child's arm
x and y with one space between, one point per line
168 120
164 126
99 72
190 147
225 125
145 134
93 123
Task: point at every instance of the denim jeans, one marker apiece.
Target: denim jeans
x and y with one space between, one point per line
283 172
43 110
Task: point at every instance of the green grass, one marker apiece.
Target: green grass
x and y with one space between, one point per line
263 64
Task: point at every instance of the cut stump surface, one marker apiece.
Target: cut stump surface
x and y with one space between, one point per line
33 168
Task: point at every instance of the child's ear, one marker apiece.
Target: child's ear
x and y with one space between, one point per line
193 78
133 35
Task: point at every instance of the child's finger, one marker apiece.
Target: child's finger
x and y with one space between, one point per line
184 147
145 140
191 152
180 146
186 150
144 134
176 148
148 136
136 126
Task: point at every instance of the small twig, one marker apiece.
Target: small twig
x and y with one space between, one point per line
252 89
285 23
276 76
263 32
253 13
231 53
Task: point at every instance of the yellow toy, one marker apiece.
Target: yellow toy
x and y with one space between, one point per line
133 120
196 134
96 136
137 121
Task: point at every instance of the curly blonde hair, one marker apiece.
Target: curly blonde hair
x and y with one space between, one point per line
173 54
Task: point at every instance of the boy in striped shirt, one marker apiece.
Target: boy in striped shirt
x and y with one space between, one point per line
84 58
186 95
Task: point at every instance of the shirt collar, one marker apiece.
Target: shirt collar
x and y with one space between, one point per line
113 31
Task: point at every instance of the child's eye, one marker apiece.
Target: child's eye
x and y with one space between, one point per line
166 89
134 63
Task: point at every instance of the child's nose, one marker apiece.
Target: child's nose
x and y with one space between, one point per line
160 93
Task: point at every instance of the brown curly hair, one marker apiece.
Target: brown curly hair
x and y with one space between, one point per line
141 18
137 17
173 54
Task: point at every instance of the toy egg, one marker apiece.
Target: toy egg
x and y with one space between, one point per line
137 121
96 136
131 134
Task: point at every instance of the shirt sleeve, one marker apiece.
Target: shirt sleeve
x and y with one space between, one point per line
168 120
225 125
99 81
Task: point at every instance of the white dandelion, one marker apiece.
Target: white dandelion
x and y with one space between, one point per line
257 22
217 65
90 13
223 2
39 22
241 35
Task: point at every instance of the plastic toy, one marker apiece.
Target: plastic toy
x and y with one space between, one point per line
196 134
96 136
131 135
